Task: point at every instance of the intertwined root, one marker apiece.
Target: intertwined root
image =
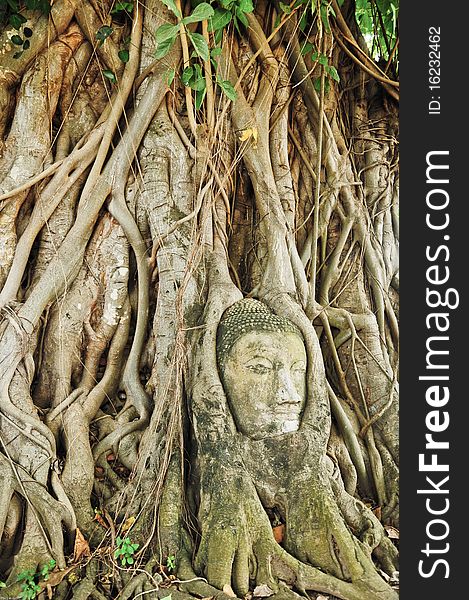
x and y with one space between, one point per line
134 212
238 548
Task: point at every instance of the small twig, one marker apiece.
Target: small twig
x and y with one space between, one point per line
317 190
186 61
32 181
75 395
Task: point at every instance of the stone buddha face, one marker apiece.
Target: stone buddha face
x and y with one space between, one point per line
263 369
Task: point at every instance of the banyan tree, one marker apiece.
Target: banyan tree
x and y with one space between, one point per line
198 299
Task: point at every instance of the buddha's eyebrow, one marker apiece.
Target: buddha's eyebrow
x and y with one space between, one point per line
258 347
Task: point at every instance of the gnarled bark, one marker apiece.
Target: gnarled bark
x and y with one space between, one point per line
129 222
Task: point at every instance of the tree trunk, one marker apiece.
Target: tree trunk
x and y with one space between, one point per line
145 188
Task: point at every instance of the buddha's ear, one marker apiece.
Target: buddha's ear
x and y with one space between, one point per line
209 406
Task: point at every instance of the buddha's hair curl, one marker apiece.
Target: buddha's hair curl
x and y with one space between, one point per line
243 317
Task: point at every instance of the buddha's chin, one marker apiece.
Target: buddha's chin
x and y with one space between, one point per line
281 424
277 428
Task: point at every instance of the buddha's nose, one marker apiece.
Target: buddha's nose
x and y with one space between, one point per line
287 391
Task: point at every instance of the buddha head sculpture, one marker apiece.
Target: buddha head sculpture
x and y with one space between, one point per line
262 363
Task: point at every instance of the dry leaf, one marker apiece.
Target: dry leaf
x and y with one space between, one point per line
279 532
128 524
81 547
262 591
49 591
247 134
228 590
377 512
321 597
392 532
55 578
101 521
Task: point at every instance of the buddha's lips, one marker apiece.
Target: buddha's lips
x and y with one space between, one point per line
290 414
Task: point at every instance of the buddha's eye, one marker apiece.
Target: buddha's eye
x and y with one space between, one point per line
260 366
261 369
299 368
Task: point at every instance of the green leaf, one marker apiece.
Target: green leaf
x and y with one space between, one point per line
317 85
13 4
220 19
198 82
286 8
303 21
123 55
16 39
122 7
241 16
325 17
170 73
110 75
3 584
17 54
332 71
200 45
199 98
187 75
172 6
246 6
103 33
135 547
25 576
27 32
227 89
16 20
306 48
201 12
198 85
164 47
218 36
322 60
166 32
214 52
26 45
